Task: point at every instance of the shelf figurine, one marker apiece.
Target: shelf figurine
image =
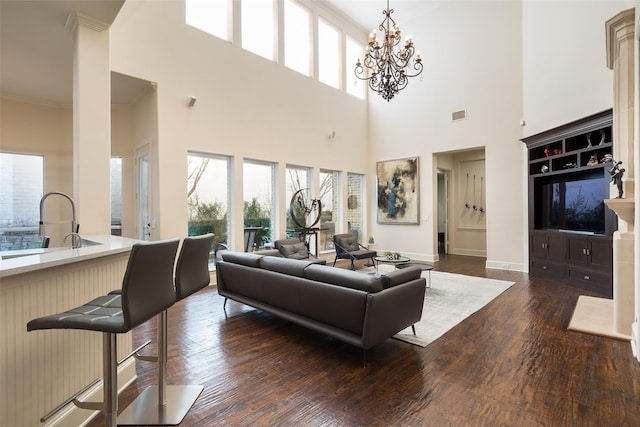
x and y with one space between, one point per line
616 177
546 151
593 160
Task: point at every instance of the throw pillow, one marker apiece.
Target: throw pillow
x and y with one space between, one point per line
350 243
295 251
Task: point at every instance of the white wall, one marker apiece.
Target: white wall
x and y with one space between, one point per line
247 107
565 74
472 57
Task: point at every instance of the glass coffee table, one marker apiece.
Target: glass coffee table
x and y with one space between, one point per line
422 265
394 261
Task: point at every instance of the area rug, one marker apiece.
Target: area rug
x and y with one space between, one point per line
450 299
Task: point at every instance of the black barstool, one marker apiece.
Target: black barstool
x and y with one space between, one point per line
147 289
164 404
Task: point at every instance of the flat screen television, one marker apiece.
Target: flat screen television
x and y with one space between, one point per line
572 205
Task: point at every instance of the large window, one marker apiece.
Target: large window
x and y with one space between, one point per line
210 16
21 187
116 196
328 54
208 198
258 27
355 212
353 52
297 37
330 197
258 190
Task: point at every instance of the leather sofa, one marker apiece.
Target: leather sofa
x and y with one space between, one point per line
357 308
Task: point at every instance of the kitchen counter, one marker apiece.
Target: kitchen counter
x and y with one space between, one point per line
41 369
28 260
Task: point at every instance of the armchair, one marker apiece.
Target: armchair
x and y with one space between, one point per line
347 247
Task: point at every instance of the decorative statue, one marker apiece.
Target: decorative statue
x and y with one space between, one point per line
616 177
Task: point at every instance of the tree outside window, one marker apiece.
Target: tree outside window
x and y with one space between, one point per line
208 198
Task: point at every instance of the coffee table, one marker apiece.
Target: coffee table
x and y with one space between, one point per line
394 261
423 266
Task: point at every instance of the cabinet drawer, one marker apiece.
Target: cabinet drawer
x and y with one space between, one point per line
591 280
546 268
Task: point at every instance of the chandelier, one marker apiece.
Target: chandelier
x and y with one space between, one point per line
388 70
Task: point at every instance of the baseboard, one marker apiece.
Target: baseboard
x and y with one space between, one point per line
507 265
72 416
468 252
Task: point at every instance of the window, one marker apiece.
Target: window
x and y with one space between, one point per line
208 198
355 214
258 27
297 37
116 196
328 54
258 190
210 16
354 51
22 187
297 179
330 197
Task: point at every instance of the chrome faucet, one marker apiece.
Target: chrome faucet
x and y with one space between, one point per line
74 226
76 240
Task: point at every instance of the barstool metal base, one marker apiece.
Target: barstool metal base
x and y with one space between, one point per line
145 410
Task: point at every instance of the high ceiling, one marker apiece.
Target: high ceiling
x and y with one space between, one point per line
36 51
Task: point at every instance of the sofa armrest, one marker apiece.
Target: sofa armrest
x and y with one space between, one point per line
392 310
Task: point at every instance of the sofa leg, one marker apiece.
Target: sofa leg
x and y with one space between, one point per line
413 328
224 306
353 267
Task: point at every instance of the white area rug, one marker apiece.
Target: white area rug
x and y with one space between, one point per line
450 299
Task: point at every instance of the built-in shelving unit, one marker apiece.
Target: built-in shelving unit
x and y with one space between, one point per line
570 228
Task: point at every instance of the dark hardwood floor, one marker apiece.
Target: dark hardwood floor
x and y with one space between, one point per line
513 363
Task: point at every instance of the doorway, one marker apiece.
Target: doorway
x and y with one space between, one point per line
443 210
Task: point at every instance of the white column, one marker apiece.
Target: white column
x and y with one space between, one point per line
91 123
621 59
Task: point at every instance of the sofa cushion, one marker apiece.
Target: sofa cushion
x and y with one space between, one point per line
296 251
243 258
292 267
398 277
349 243
346 278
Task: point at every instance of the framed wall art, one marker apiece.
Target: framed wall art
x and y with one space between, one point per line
397 184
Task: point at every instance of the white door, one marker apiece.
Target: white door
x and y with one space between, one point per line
143 192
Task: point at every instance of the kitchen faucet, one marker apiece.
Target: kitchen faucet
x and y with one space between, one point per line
76 242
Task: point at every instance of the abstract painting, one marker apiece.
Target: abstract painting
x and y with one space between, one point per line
398 195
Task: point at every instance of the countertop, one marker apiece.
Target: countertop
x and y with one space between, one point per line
13 263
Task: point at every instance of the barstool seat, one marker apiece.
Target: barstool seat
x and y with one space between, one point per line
147 289
103 314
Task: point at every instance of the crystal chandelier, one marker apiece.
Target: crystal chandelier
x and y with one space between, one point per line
388 69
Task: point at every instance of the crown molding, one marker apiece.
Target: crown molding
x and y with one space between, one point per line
619 28
77 18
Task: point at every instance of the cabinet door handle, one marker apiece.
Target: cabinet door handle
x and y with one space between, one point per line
544 267
587 278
